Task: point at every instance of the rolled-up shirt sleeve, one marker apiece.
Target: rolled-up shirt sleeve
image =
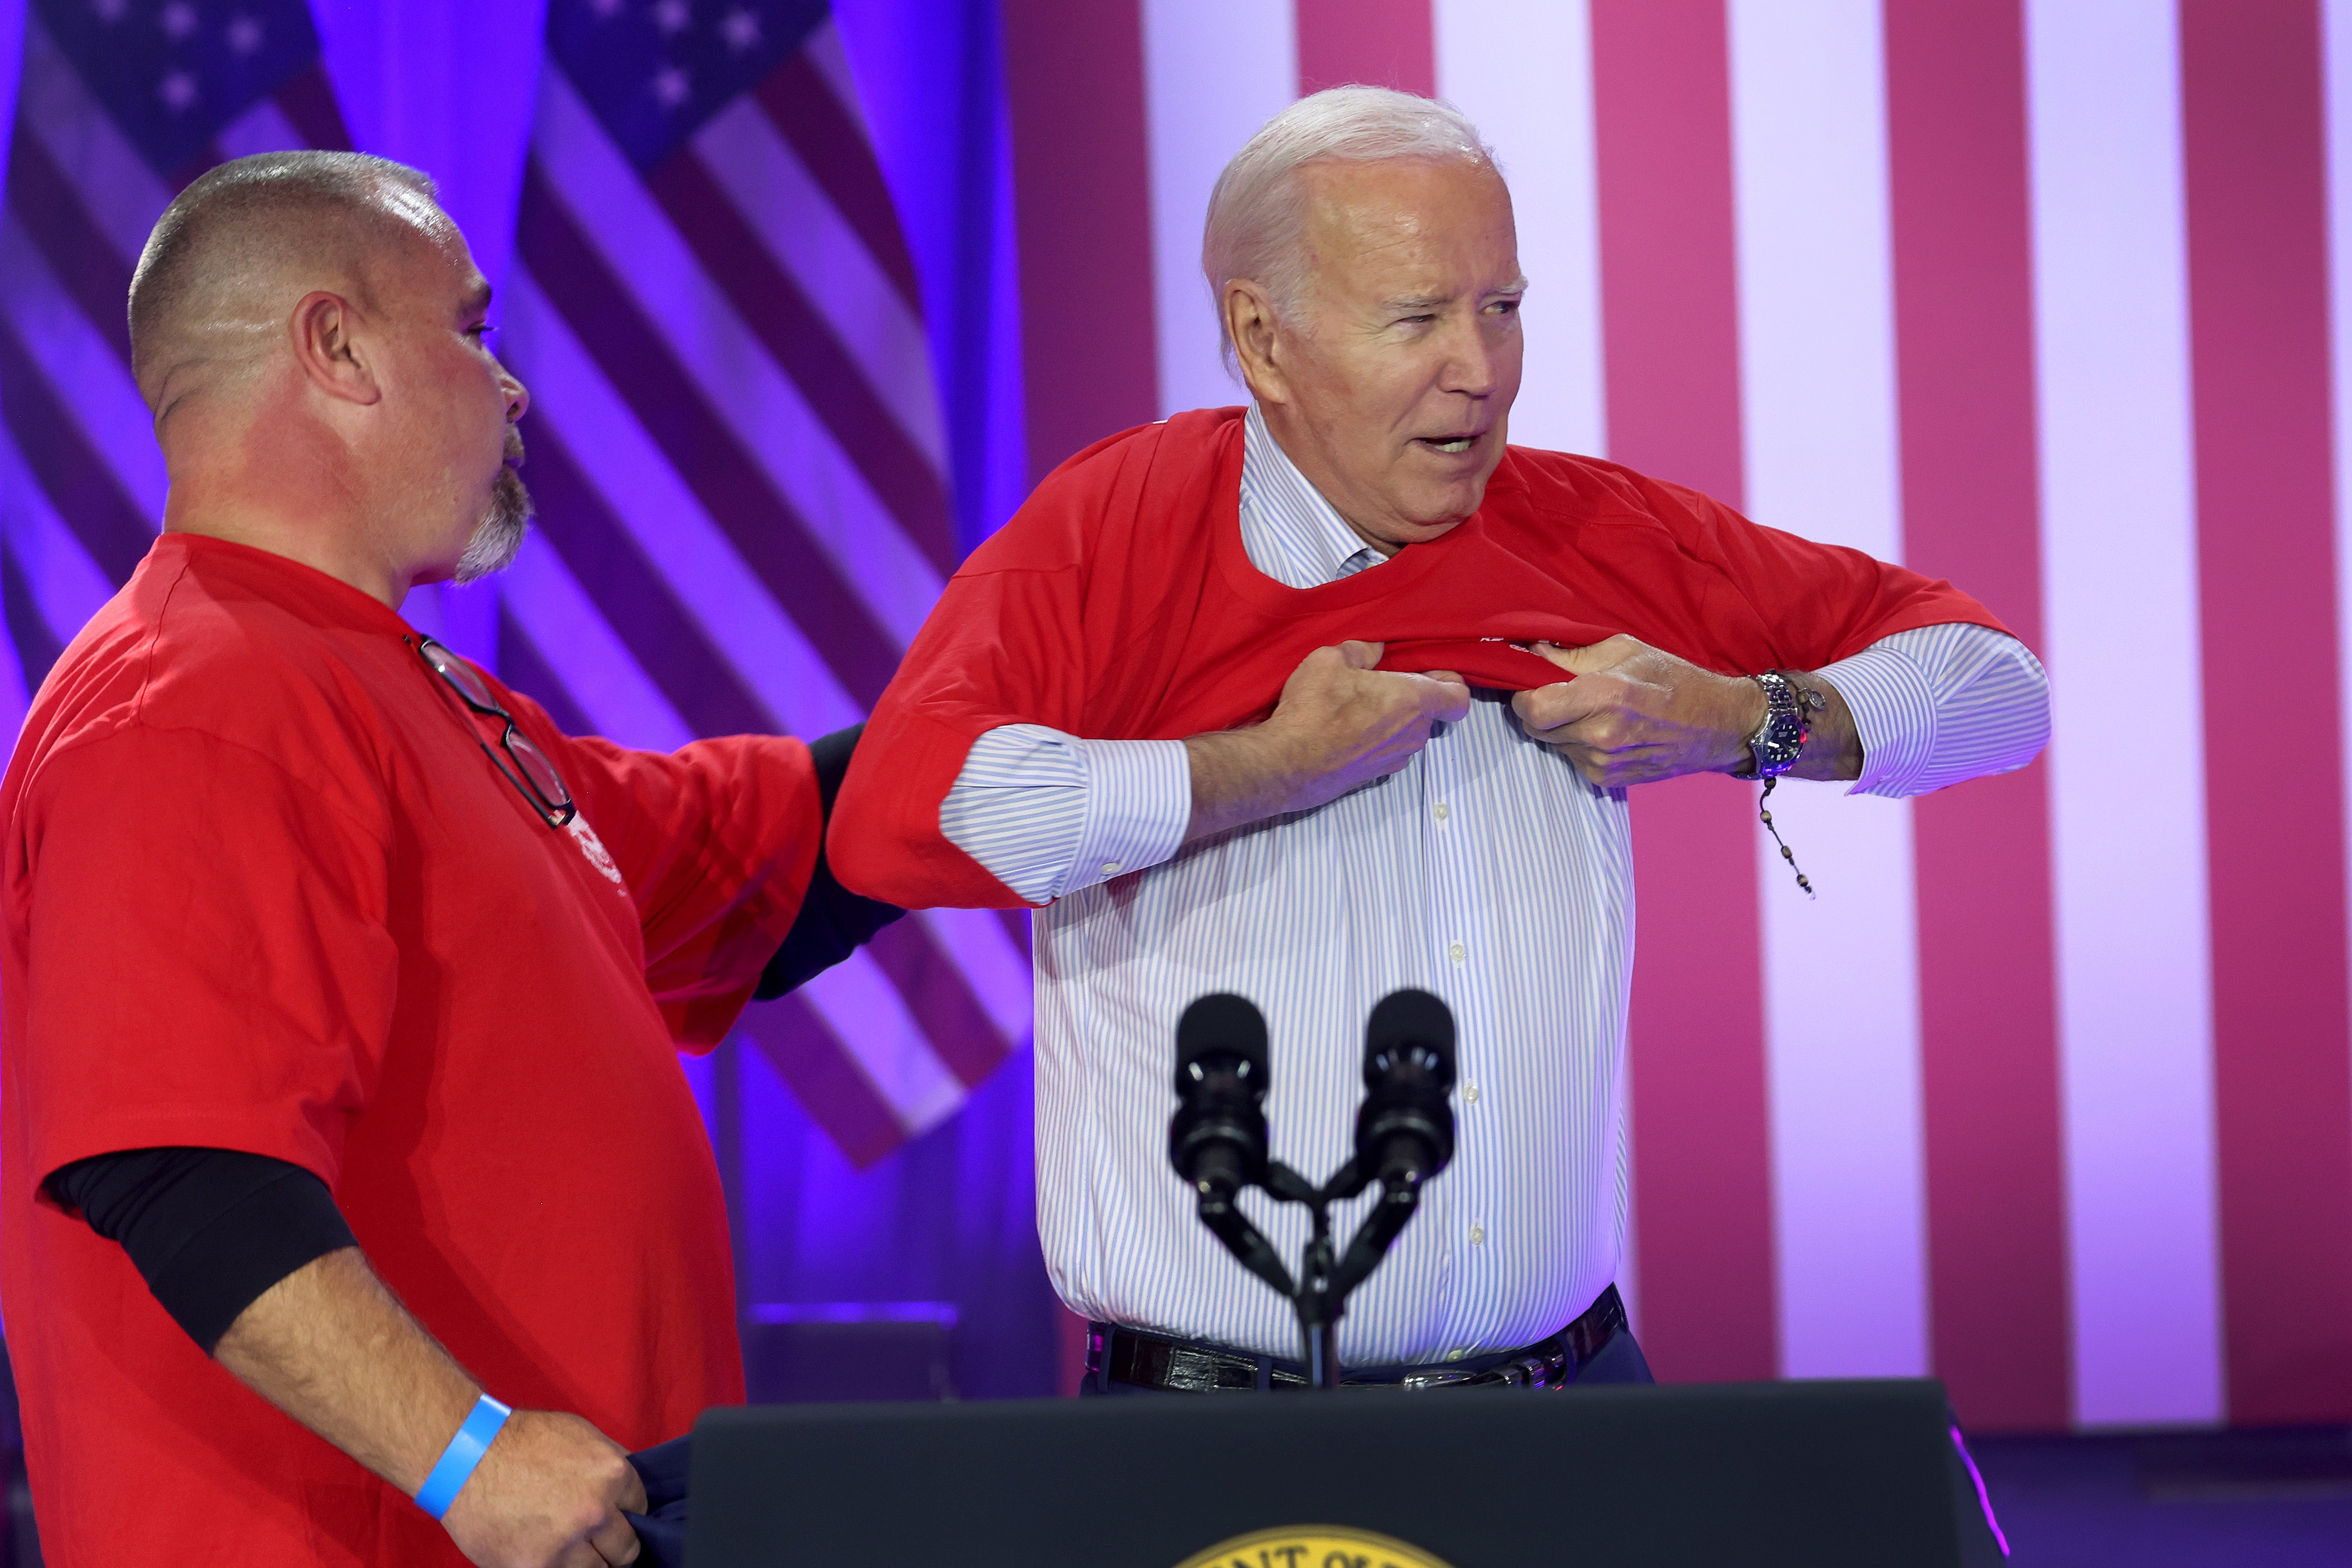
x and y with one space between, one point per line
1941 704
1048 814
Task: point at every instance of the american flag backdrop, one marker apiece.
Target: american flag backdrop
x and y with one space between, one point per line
742 480
2051 1093
121 102
736 445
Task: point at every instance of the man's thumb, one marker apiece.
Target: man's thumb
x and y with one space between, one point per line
1362 655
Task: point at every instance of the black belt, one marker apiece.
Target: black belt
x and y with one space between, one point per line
1117 1354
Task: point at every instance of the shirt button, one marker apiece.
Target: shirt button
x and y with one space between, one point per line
1444 811
1457 953
1470 1094
1477 1235
1110 867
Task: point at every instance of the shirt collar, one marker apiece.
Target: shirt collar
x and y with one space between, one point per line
1291 533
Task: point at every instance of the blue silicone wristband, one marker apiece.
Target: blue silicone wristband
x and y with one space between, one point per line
455 1466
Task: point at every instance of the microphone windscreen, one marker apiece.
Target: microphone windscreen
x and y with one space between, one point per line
1221 1025
1406 1018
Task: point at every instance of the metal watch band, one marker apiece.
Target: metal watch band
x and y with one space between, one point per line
1788 724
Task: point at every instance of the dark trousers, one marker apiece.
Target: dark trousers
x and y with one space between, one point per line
1618 1361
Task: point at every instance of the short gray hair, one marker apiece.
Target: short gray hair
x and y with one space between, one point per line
242 218
1258 210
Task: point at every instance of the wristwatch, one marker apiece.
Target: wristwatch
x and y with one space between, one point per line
1788 724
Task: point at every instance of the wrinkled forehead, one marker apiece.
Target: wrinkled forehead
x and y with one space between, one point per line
1413 224
1379 203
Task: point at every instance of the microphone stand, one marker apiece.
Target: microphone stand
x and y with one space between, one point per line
1319 1297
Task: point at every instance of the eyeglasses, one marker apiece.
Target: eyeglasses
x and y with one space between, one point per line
525 765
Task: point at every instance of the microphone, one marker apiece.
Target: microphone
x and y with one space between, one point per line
1217 1138
1404 1133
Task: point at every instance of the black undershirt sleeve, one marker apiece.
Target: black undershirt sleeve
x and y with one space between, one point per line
209 1229
834 922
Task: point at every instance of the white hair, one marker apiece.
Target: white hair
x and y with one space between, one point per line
1258 213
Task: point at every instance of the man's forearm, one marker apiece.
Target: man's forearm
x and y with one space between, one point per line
1238 779
332 1348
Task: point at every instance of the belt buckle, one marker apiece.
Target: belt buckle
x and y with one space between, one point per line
1413 1381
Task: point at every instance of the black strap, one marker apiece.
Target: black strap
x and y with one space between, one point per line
833 923
209 1229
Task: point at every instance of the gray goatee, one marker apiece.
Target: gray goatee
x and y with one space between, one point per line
499 535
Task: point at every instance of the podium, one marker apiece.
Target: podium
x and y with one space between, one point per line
1823 1474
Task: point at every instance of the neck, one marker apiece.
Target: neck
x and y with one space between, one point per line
327 538
293 495
1297 441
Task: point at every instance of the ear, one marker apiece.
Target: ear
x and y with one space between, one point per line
326 330
1250 323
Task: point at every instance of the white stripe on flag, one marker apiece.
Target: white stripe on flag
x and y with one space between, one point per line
722 594
2336 42
87 380
2128 830
115 186
867 1014
1523 72
1816 312
66 584
1213 72
767 413
596 667
808 238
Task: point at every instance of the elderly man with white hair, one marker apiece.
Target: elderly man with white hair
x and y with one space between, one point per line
1339 694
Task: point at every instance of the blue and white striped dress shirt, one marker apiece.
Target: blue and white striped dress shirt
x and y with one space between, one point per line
1486 871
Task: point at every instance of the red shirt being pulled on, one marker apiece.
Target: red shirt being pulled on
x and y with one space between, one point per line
265 891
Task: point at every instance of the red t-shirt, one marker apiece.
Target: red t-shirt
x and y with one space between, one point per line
1119 604
266 892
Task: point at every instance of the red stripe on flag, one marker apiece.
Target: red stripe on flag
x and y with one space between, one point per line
1963 326
1082 179
308 99
1702 1185
2254 140
1381 43
821 1077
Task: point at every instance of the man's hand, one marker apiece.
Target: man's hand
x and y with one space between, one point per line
547 1494
1341 722
332 1348
1635 714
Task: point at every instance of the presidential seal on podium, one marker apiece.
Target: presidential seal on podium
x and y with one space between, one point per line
1312 1546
